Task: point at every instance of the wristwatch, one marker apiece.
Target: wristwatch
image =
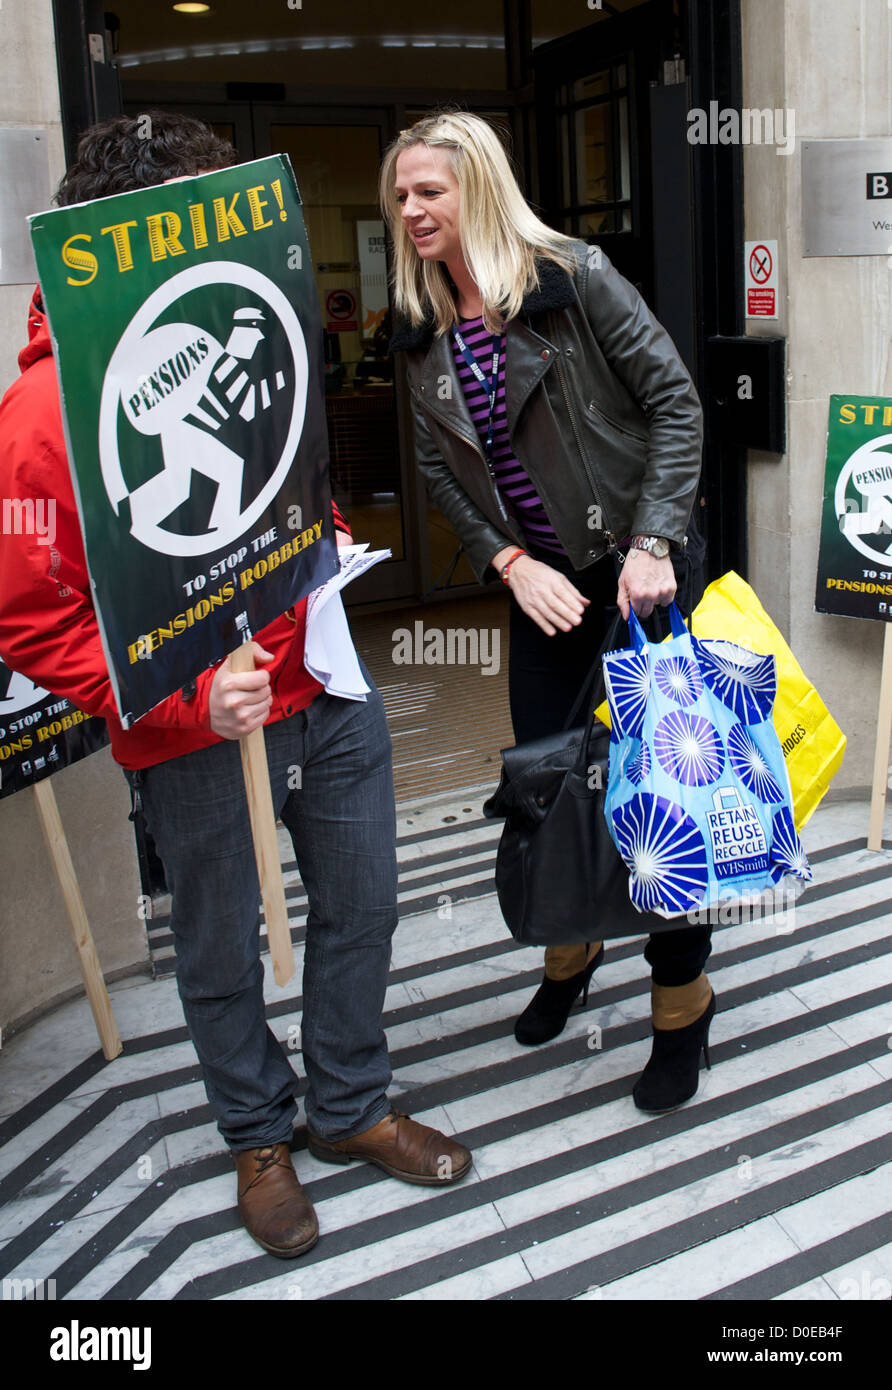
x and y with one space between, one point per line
657 546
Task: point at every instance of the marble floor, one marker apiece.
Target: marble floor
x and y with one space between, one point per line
774 1182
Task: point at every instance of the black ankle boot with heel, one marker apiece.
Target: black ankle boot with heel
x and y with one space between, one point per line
547 1012
672 1074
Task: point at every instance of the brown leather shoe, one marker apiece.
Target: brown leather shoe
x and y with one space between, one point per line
271 1202
403 1148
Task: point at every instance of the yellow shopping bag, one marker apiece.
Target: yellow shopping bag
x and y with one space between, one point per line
812 741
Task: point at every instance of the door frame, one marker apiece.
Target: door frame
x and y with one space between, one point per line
716 65
563 61
710 34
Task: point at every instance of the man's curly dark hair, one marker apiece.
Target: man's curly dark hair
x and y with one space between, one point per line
127 152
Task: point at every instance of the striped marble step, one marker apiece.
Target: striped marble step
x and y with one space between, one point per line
773 1180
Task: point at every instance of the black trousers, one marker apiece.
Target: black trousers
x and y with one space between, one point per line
544 677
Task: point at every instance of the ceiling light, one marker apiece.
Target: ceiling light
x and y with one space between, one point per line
191 7
307 43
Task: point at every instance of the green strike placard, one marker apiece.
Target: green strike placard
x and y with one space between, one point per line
188 346
855 558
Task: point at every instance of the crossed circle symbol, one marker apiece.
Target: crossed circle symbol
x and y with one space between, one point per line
760 264
340 304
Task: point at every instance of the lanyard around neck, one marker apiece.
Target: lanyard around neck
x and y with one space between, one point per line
490 384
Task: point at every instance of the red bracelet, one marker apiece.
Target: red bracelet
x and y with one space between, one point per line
503 572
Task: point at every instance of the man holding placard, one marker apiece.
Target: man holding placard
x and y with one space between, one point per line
201 343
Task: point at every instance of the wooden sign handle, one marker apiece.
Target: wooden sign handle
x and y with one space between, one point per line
266 841
881 756
51 821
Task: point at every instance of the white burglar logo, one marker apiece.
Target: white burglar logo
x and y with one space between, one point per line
180 384
870 471
17 692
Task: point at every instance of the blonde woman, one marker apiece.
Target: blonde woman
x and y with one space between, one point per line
554 424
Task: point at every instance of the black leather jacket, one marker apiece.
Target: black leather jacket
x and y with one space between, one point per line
601 410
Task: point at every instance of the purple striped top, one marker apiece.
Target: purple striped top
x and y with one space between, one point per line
510 476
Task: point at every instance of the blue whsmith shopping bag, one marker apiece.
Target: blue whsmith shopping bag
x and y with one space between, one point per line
698 800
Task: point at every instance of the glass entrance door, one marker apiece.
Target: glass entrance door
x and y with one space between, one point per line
594 133
336 166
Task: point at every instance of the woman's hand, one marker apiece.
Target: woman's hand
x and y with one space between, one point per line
545 595
644 582
240 701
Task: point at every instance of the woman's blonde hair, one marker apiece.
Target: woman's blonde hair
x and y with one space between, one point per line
500 234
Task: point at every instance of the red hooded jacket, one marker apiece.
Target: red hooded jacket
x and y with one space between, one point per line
48 627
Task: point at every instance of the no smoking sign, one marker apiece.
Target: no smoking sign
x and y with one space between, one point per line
760 273
340 312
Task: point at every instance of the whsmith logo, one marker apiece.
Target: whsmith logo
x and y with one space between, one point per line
879 185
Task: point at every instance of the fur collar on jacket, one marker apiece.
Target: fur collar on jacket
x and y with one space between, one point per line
556 291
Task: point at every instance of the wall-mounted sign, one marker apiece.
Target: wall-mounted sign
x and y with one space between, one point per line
855 559
760 277
340 312
846 197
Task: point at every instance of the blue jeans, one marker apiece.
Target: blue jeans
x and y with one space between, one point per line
339 811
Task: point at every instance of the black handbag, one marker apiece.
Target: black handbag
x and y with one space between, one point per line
559 876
